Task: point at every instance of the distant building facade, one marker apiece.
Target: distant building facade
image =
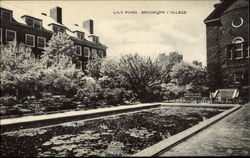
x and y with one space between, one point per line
197 63
228 45
171 57
34 30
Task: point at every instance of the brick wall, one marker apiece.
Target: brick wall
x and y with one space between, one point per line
218 35
21 30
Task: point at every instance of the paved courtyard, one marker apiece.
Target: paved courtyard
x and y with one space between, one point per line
228 137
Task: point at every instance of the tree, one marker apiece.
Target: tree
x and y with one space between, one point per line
189 74
24 75
143 74
59 44
94 67
168 61
60 75
19 73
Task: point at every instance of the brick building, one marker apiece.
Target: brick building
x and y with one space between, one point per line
34 30
227 45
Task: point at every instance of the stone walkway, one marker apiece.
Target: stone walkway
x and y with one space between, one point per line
228 137
26 119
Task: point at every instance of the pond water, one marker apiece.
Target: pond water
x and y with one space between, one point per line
117 135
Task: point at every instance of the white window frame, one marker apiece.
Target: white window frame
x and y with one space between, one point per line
80 50
6 35
238 38
96 55
241 40
231 54
80 62
235 76
88 54
38 42
101 53
59 28
85 63
1 37
241 50
241 23
78 32
34 43
33 22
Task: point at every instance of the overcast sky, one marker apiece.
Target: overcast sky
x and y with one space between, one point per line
146 34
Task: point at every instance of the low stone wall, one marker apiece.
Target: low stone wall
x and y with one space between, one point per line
50 119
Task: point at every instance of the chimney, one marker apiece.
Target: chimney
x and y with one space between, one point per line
89 25
56 14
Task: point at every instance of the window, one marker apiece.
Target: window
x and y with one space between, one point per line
94 53
6 15
58 29
95 39
1 35
238 77
80 35
229 51
37 24
86 52
30 40
61 29
247 56
100 53
41 42
78 50
79 64
10 35
33 23
237 49
237 22
55 29
85 63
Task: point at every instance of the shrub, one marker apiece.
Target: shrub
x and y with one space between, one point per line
8 101
89 91
143 74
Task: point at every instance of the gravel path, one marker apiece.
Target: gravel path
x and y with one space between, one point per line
228 137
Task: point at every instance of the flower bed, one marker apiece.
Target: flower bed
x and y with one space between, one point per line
117 135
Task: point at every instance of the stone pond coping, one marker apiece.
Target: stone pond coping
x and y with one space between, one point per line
71 115
166 144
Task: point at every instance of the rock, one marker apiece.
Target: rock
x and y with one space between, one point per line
81 106
24 110
104 133
244 153
229 151
46 143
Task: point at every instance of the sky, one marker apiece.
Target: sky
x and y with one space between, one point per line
145 34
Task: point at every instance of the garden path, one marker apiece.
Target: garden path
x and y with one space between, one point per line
228 137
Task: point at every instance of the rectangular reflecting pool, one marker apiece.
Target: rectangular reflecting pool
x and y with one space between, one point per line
115 135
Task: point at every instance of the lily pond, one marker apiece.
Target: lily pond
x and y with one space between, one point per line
117 135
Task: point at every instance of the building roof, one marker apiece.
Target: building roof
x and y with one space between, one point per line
19 13
219 9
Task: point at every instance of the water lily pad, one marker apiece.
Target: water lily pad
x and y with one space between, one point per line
47 143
